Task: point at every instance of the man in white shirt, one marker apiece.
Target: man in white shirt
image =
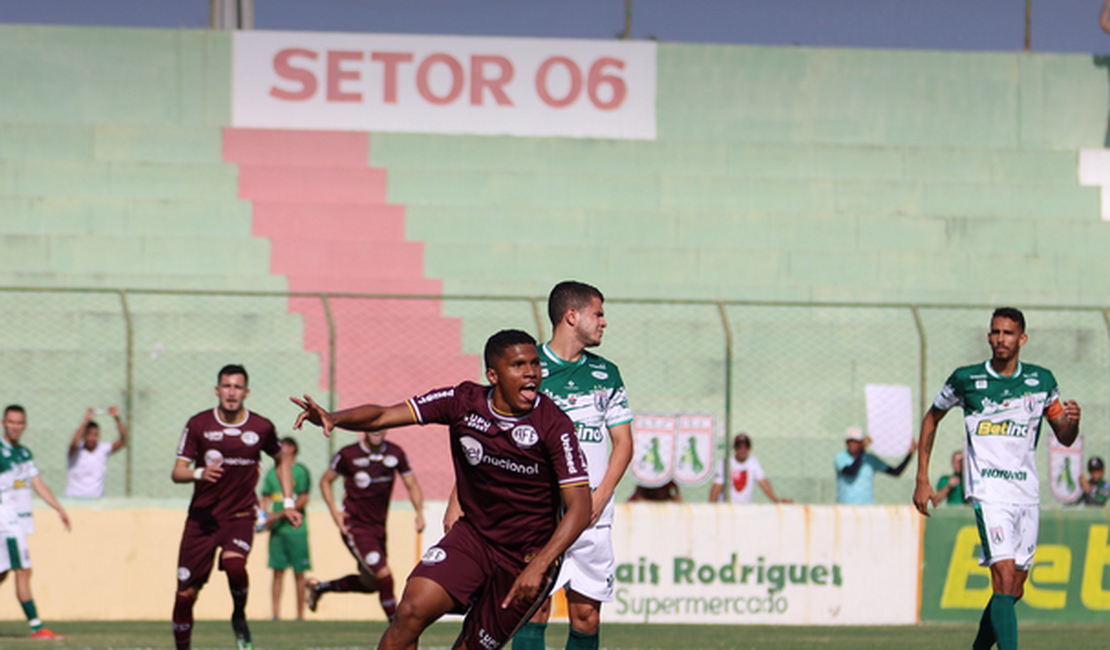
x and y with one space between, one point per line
745 472
88 456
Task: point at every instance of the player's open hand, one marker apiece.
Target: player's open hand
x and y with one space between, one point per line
528 585
419 521
923 495
340 518
314 413
212 473
293 516
65 520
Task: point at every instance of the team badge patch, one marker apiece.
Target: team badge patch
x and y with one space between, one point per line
213 457
250 438
183 574
373 557
390 461
434 555
996 535
525 435
362 480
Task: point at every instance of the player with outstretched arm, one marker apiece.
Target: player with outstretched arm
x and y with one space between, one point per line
517 462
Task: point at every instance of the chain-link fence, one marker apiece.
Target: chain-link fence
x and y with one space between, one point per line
793 376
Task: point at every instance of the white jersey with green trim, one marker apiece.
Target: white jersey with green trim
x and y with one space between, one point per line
591 392
1002 420
9 519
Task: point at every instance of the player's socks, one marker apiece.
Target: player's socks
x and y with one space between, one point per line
183 621
237 581
985 639
346 583
580 641
1004 620
385 594
530 637
32 614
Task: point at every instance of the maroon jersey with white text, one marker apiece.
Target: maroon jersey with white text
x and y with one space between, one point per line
508 470
368 480
238 448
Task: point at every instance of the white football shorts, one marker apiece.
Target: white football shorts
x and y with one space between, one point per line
589 566
1008 531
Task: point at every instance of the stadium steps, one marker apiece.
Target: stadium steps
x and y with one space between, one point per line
324 210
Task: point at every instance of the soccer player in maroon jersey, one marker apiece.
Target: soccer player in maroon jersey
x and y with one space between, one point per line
517 461
225 444
368 468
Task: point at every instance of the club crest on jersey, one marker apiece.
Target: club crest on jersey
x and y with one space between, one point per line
362 480
213 457
472 449
390 461
250 438
434 555
183 573
214 436
373 557
1030 403
525 435
996 535
601 400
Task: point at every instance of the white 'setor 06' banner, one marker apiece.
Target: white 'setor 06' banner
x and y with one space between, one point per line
444 84
722 563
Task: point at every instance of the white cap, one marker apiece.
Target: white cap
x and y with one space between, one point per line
853 433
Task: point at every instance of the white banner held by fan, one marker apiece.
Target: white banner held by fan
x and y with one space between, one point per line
889 419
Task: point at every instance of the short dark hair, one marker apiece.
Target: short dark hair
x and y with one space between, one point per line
503 340
233 369
568 295
14 407
1011 313
290 440
92 425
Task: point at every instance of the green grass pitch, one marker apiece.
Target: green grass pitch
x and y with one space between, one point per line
346 635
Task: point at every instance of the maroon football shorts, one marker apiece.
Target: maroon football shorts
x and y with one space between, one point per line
479 576
199 543
367 544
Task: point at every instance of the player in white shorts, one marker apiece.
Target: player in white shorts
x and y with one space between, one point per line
590 390
1004 402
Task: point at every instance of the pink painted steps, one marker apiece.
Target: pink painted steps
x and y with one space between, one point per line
330 228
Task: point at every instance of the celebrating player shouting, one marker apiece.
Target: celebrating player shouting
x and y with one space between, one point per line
225 444
1004 401
515 454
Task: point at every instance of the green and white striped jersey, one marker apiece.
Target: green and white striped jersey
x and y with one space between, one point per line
591 392
1002 421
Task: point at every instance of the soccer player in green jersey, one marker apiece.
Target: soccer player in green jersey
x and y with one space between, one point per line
1004 402
590 390
26 479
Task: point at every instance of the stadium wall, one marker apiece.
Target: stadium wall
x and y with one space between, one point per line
801 174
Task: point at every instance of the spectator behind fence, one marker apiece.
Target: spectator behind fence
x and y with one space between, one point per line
856 467
745 472
88 456
288 544
950 487
667 492
1096 489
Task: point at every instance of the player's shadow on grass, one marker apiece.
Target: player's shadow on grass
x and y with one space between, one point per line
1103 61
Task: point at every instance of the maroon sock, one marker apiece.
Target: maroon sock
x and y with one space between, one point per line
183 621
346 583
236 570
385 593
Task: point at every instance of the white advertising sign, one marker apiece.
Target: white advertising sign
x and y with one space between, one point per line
803 565
444 84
